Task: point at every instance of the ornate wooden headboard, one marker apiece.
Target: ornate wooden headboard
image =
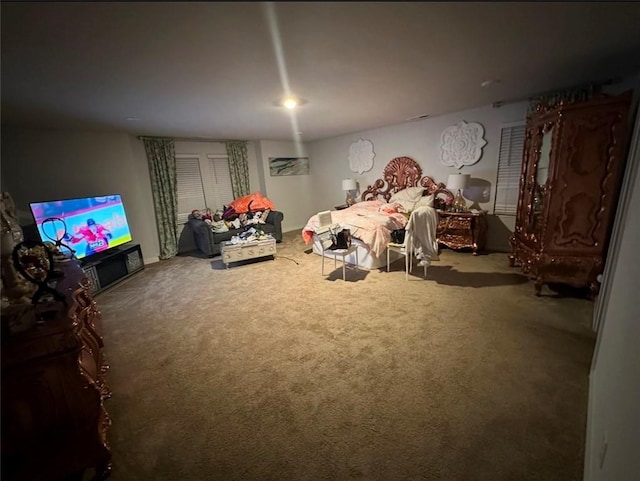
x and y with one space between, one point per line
400 173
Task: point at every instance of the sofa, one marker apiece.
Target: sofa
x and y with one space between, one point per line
208 242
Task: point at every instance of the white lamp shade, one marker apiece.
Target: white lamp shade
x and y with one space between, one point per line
458 181
349 184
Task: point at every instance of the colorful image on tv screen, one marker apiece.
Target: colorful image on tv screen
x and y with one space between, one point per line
88 226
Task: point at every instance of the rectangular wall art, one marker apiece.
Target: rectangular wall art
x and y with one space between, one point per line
288 166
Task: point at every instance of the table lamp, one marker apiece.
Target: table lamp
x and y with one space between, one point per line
349 185
458 182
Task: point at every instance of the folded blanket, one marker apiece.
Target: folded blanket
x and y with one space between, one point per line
421 231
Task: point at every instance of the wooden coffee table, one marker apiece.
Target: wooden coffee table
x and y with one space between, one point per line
247 250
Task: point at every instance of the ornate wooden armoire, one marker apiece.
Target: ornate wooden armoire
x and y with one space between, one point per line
574 157
54 421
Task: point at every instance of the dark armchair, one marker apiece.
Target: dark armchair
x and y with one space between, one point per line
208 242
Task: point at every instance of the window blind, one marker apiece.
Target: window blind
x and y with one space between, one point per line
204 180
509 169
189 186
220 179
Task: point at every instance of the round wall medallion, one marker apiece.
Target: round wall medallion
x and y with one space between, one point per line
361 156
462 144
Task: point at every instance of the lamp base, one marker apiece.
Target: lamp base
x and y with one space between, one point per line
350 199
459 204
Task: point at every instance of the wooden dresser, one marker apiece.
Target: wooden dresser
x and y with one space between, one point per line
459 230
53 386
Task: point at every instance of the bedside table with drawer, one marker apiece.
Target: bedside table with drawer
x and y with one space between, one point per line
459 230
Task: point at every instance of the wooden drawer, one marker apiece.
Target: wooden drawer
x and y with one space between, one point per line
462 230
461 238
460 223
240 253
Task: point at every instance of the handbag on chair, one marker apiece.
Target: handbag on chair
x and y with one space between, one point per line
341 240
397 236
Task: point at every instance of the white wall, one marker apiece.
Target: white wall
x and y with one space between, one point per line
39 164
613 424
291 194
419 140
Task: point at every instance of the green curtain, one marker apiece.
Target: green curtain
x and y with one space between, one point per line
239 167
161 157
566 96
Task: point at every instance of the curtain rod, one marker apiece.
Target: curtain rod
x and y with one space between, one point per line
189 139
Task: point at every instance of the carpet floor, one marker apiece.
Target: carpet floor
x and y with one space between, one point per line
270 371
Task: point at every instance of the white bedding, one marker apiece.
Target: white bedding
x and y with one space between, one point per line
370 221
366 260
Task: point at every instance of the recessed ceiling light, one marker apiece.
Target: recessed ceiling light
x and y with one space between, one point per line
290 102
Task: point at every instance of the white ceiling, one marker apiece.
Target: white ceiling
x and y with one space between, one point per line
212 69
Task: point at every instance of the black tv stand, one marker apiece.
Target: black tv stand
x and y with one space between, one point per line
108 268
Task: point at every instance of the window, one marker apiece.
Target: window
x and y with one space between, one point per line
190 188
509 168
203 181
220 181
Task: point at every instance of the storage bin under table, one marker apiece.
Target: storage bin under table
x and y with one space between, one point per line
247 250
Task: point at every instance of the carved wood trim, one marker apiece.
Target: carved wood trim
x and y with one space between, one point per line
54 396
400 173
565 241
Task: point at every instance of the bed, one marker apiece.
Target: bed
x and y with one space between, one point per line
372 220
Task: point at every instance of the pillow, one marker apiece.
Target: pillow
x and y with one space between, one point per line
425 201
257 200
407 197
264 215
405 205
411 194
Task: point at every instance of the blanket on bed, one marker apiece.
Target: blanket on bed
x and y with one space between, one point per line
370 221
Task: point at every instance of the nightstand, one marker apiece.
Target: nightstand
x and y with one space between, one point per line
458 230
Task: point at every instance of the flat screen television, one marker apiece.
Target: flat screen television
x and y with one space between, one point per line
88 225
